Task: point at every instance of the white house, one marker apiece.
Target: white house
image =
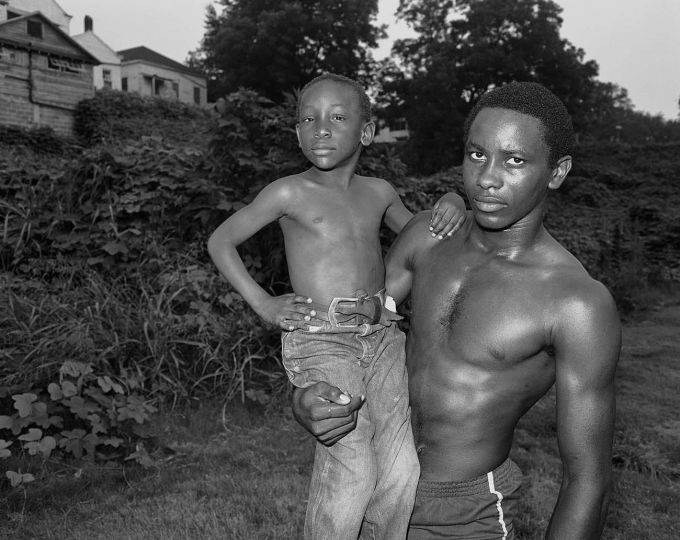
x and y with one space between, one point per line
52 10
107 74
151 74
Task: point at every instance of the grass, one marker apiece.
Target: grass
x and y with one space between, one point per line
242 472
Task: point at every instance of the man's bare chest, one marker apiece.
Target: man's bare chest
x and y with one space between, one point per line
480 311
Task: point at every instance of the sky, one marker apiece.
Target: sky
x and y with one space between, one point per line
636 44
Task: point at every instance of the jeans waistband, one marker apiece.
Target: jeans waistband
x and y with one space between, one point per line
353 312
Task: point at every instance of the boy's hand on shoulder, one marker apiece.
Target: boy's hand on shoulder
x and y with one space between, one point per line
448 215
288 311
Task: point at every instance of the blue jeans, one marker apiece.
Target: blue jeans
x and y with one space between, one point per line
365 483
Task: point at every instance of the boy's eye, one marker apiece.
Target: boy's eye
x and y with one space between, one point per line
338 117
476 156
515 161
307 119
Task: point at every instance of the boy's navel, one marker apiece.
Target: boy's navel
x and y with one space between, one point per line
318 219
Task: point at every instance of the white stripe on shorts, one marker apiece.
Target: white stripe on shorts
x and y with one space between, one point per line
499 496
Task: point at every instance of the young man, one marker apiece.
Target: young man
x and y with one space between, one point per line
330 218
499 314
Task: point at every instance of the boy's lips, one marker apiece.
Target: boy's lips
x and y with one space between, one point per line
321 150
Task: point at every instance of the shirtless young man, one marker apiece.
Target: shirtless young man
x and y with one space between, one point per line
331 218
500 313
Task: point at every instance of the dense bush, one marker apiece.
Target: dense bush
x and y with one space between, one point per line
113 115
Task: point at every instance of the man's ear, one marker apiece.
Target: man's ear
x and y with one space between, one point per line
367 133
560 172
297 131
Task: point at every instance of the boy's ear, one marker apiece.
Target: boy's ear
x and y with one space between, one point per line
297 132
560 172
367 133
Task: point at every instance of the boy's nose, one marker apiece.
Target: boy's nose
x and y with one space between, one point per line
322 132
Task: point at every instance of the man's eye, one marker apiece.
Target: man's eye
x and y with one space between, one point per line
476 156
515 161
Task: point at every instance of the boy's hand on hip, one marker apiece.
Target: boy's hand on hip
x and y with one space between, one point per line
448 215
288 311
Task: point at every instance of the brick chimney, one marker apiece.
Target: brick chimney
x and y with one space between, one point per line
88 23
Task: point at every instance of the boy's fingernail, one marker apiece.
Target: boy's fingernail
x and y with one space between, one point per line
440 237
291 328
312 313
307 317
343 399
363 398
309 300
449 233
431 227
433 235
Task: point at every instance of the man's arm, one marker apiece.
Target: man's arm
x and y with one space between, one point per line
587 341
398 262
269 205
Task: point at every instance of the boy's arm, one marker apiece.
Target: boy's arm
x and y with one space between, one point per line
587 341
447 215
269 205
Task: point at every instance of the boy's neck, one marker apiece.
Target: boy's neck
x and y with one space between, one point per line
339 177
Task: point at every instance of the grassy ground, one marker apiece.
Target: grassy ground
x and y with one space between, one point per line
243 474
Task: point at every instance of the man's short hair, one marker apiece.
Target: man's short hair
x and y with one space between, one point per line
535 100
364 101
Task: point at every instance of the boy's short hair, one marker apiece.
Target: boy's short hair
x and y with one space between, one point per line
535 100
364 101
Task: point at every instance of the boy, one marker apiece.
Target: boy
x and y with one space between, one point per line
330 218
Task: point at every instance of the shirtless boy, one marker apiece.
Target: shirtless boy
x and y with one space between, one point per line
500 313
330 218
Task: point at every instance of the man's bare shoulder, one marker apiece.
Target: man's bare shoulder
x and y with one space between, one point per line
414 239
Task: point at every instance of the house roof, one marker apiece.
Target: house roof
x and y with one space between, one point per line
144 54
97 47
84 54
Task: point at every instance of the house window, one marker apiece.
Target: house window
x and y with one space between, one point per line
157 86
175 89
123 84
106 76
34 29
65 66
197 95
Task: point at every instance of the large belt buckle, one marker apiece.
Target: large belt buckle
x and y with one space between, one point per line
331 311
374 300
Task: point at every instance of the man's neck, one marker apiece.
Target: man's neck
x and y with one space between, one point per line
512 242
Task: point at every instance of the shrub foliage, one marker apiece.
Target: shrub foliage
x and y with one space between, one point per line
109 304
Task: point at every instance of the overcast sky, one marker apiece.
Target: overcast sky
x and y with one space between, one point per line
635 43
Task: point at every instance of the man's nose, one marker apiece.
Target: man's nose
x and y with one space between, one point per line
489 177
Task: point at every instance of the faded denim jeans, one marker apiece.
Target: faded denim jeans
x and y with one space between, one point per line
365 483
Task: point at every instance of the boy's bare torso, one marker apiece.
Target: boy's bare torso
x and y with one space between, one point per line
332 235
479 350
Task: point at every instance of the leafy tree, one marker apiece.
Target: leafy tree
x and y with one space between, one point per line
275 46
466 47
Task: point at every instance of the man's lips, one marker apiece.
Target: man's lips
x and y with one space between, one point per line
486 203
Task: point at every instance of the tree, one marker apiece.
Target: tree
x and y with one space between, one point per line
275 46
468 46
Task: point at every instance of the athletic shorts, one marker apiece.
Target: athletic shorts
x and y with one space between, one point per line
479 509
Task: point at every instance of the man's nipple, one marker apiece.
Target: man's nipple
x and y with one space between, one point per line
318 219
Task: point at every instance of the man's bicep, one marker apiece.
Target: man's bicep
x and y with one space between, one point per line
400 257
587 347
